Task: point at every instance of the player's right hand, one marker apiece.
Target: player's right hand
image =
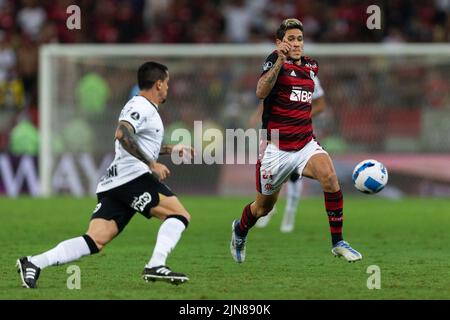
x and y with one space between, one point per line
283 49
160 171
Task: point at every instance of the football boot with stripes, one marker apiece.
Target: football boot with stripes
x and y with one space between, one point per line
29 273
163 273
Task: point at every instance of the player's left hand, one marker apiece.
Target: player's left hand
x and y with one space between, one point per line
184 152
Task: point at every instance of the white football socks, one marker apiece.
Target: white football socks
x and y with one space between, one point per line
64 252
294 190
168 236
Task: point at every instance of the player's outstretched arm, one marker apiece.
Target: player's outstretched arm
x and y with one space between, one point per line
127 138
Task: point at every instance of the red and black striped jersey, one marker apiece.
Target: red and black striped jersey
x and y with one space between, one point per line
287 108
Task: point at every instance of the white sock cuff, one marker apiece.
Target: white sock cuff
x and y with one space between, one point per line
176 223
180 218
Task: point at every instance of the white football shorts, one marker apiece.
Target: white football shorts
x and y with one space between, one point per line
277 165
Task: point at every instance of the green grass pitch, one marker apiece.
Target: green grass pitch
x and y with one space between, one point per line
408 239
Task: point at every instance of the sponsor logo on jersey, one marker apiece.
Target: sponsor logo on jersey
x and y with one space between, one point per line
267 65
111 172
135 116
141 202
301 96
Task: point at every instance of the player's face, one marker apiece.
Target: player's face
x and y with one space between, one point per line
164 89
295 38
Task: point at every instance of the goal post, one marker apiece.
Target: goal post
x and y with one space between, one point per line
382 99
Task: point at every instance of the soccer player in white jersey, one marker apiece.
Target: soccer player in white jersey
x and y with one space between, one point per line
132 183
295 183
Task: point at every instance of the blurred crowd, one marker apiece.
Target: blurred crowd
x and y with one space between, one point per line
200 21
27 24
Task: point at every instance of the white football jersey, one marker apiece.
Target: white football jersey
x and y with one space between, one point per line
144 117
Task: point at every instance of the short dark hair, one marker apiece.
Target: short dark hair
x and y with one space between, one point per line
149 73
288 24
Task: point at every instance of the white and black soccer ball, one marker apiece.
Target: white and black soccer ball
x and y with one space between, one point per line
370 176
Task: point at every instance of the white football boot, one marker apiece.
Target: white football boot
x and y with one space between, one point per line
343 249
237 244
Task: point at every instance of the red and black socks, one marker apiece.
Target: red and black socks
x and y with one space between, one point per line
247 221
334 203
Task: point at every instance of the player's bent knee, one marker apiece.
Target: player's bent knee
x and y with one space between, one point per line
96 243
100 244
101 232
99 240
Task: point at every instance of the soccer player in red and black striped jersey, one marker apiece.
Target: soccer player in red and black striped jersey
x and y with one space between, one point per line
286 85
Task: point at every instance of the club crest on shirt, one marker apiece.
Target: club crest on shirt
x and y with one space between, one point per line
135 116
267 65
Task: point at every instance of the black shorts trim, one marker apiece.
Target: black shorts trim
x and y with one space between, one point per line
138 195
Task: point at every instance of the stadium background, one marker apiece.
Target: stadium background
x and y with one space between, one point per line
394 110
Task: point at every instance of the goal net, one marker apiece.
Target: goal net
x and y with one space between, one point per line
389 102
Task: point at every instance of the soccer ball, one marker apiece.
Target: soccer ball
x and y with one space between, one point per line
370 176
